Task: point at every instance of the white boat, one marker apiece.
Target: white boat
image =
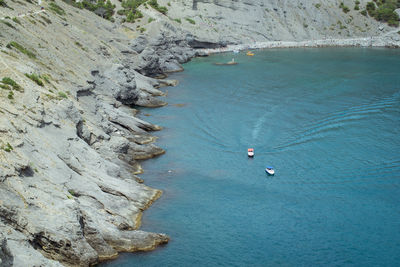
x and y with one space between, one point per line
270 170
236 51
250 152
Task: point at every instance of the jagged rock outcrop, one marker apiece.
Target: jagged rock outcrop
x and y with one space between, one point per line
164 52
121 82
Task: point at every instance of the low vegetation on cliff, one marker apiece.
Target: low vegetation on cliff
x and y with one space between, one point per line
102 8
131 11
21 49
106 9
3 3
384 10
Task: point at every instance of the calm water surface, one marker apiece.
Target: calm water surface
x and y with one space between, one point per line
328 120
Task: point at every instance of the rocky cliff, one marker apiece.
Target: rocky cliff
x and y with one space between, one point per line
238 22
70 139
70 142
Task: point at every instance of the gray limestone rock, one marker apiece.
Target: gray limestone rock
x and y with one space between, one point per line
139 44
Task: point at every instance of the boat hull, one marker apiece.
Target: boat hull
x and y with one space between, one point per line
270 172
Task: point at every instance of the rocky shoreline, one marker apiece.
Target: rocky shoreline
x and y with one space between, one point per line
391 39
71 145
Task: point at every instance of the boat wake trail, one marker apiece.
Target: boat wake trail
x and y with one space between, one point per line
256 130
339 120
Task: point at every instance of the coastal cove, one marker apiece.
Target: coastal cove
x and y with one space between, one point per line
326 118
86 108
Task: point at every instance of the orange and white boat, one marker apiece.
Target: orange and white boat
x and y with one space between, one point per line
250 152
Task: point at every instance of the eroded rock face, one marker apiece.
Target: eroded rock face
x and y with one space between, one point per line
164 52
68 188
127 86
15 250
70 149
6 258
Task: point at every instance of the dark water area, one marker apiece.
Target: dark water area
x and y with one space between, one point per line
327 119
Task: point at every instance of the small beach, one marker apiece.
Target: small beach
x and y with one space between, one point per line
372 41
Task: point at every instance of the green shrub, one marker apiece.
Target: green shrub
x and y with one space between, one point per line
371 8
142 30
7 23
388 15
178 20
11 95
131 9
45 78
11 82
3 3
161 9
62 95
105 9
344 8
102 8
190 20
132 4
8 148
5 86
318 5
35 78
364 12
150 20
133 15
384 11
121 12
56 8
130 17
356 7
16 20
21 49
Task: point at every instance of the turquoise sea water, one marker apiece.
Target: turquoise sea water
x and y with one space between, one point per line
327 119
